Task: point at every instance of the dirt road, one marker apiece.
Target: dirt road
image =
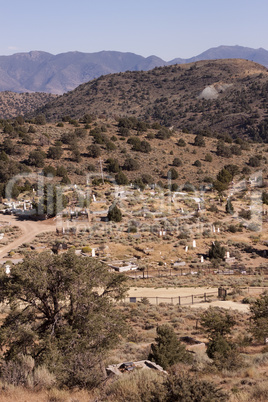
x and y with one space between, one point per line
168 292
29 229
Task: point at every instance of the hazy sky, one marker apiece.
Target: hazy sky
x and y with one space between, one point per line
166 28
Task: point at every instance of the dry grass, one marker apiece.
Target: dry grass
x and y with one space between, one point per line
22 394
139 387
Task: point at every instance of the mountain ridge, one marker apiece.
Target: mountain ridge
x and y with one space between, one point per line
39 71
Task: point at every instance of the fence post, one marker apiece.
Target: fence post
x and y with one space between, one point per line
192 299
205 297
179 300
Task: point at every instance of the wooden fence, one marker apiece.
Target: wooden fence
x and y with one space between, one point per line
192 299
256 289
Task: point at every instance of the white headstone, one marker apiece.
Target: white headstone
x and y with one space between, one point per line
93 253
94 198
227 254
7 269
218 230
186 249
202 259
194 244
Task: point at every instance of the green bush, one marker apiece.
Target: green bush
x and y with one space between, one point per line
86 249
181 143
216 252
197 163
94 151
54 152
259 317
208 158
173 174
113 165
199 141
229 207
114 214
186 388
168 350
131 164
177 162
49 170
254 161
121 179
37 158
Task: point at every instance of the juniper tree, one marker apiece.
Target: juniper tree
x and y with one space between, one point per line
259 318
114 214
62 314
216 252
218 325
168 350
229 207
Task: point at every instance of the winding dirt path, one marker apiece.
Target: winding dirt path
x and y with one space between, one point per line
30 230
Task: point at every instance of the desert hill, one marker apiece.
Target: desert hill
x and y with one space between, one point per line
210 97
39 71
129 149
13 104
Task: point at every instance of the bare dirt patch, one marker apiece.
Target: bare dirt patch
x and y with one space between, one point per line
170 292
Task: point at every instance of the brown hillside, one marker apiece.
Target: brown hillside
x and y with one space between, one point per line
13 104
215 96
195 164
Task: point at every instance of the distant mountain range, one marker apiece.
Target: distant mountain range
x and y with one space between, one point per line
39 71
